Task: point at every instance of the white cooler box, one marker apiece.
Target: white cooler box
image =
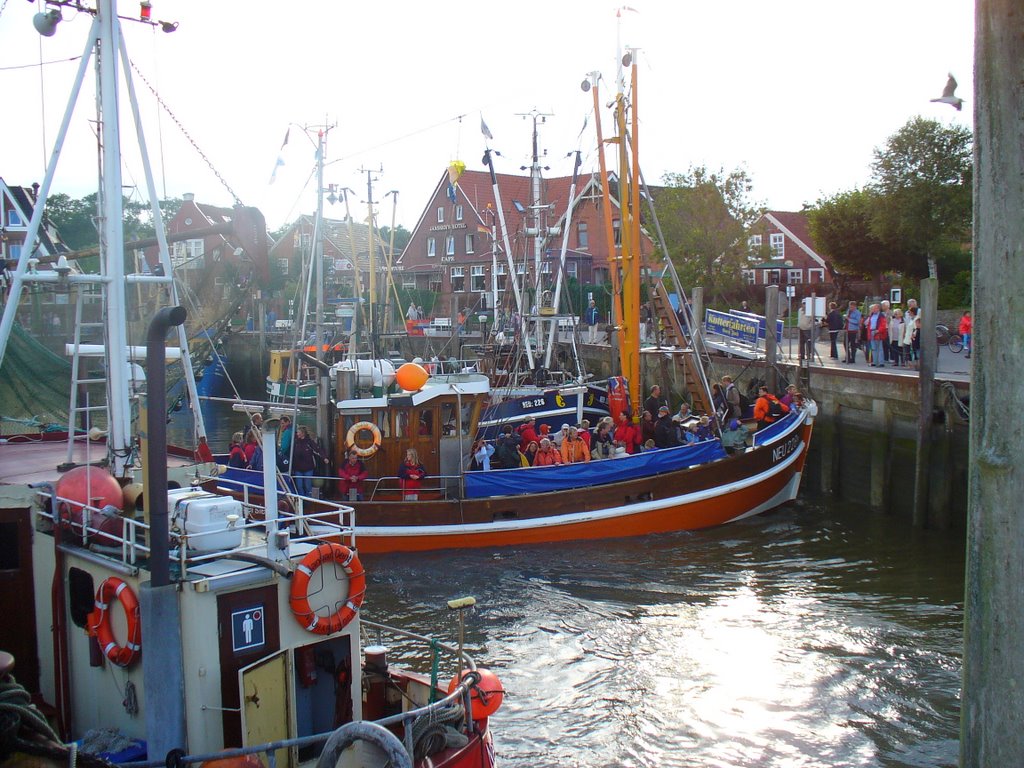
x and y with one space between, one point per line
199 512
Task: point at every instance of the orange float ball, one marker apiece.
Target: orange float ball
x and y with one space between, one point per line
486 696
411 377
95 487
243 761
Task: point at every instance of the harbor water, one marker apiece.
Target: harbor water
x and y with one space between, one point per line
821 634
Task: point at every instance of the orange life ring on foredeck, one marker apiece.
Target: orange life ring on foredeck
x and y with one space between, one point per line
327 552
353 433
98 624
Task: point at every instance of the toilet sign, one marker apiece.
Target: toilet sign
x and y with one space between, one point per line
248 629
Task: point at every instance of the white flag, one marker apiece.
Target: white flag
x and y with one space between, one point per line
484 129
280 155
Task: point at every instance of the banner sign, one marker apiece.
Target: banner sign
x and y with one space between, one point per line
742 326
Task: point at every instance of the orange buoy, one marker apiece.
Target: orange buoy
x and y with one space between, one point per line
242 761
411 377
93 487
486 696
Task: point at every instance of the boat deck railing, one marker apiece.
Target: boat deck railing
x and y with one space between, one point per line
108 533
460 697
438 486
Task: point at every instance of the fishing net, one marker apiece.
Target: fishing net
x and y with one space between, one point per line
35 386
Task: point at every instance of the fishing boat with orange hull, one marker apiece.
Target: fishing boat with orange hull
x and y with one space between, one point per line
436 419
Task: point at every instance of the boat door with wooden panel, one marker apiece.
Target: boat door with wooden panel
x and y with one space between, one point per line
17 600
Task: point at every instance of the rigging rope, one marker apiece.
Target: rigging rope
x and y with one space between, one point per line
192 141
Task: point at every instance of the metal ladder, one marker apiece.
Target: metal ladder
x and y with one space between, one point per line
81 383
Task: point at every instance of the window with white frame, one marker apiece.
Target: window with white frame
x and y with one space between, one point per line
440 214
13 218
601 275
431 247
188 254
449 245
572 268
458 213
617 231
774 276
458 279
408 281
582 237
521 268
545 267
476 279
816 275
777 242
749 276
14 251
500 276
795 276
305 240
434 283
469 244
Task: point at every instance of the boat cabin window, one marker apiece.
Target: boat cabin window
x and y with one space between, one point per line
401 422
449 420
383 421
9 560
81 595
426 421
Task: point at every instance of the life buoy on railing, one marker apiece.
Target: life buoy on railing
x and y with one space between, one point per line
307 618
99 624
353 433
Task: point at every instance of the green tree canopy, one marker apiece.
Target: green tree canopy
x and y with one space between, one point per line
704 216
922 178
842 227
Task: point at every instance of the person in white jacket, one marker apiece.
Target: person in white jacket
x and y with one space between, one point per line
896 337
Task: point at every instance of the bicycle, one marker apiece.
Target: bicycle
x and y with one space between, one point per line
943 337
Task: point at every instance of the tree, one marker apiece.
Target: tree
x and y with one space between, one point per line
923 178
704 216
842 226
75 218
402 237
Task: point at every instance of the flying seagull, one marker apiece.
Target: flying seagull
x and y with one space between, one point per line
947 94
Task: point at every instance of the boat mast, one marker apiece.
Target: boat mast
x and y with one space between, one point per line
561 264
629 194
371 240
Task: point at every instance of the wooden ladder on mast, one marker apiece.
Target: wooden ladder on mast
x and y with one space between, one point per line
685 355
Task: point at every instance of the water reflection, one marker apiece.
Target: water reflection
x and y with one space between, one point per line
812 637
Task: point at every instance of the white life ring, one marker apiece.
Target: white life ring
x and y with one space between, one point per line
361 426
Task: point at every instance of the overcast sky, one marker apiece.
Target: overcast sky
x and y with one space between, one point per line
797 92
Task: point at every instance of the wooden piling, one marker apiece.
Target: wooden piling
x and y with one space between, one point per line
826 437
929 349
993 677
771 315
882 426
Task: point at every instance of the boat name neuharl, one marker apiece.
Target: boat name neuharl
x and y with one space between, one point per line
446 227
778 454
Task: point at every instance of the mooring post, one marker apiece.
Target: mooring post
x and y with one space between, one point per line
697 306
880 429
826 432
993 679
929 350
771 315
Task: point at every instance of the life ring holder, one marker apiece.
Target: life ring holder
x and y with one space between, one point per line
99 624
348 560
353 433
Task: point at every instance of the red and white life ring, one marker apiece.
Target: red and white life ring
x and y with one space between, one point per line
307 618
99 624
353 433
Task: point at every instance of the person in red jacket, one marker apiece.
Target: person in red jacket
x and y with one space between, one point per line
411 475
352 474
965 330
627 433
546 455
528 432
878 332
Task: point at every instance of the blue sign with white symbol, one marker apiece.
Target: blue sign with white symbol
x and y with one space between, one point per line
248 629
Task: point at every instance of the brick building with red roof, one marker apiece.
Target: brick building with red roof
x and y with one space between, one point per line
451 253
793 257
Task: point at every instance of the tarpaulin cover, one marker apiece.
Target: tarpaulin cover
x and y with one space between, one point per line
508 482
772 431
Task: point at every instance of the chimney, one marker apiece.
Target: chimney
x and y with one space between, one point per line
189 197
